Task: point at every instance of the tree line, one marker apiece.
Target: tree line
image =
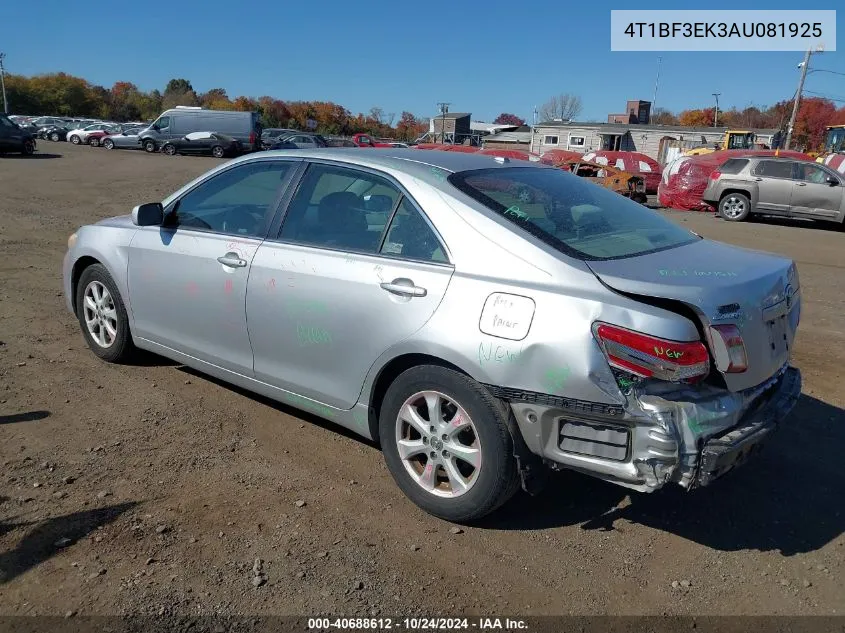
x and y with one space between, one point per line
61 94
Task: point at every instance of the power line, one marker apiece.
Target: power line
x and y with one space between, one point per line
818 94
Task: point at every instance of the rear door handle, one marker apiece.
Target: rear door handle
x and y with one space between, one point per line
802 184
404 287
232 259
759 179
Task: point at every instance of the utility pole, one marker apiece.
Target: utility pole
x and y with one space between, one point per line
656 82
444 108
3 83
716 113
804 66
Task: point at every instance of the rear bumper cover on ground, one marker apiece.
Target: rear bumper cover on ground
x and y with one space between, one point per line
691 437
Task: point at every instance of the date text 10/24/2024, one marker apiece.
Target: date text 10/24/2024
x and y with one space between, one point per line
418 624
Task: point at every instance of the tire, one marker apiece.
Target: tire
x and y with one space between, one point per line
119 347
94 142
217 151
149 146
54 137
169 149
28 148
108 144
485 438
75 139
734 207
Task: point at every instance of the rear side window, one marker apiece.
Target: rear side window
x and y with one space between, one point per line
574 216
774 169
733 165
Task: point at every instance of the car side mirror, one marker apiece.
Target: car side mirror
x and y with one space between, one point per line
149 214
832 181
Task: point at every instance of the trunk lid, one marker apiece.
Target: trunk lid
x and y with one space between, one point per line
723 284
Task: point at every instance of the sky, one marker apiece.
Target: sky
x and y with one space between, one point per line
481 57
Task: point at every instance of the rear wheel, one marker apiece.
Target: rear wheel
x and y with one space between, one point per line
28 147
102 315
75 139
108 143
217 151
94 142
54 136
169 149
149 146
734 207
447 444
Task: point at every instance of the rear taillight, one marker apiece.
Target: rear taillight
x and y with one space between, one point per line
728 349
252 137
651 357
714 175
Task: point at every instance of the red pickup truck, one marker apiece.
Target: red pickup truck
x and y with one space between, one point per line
365 140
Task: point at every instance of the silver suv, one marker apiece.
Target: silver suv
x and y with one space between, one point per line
776 186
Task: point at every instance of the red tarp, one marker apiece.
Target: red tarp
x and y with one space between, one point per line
561 155
633 162
835 161
467 149
685 178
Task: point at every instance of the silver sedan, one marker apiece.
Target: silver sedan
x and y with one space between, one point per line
128 139
485 320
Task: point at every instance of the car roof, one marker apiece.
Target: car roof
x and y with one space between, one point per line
407 159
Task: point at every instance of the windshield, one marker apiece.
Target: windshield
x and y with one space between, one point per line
835 140
576 217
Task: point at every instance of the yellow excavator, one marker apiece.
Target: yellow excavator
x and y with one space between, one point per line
734 139
834 142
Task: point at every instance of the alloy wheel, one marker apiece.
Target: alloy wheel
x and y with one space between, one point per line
733 207
438 444
100 314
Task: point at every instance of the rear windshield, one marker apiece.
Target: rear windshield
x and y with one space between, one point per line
578 218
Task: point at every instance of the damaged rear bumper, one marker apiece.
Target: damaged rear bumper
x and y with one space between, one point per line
663 434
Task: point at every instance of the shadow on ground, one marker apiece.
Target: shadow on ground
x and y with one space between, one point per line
39 544
29 416
36 156
787 499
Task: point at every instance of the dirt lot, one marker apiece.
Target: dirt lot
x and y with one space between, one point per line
150 489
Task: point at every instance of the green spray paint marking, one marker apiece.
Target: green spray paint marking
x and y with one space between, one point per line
516 212
492 353
666 272
438 174
555 379
360 418
310 405
310 335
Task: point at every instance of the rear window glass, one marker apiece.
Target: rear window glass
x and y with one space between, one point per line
774 169
576 217
733 165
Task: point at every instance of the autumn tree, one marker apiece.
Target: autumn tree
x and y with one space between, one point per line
506 118
179 92
410 128
662 116
697 118
564 106
215 99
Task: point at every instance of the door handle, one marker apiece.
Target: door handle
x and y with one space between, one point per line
802 184
404 287
759 179
232 259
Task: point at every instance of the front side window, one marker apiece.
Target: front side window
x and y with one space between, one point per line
237 201
163 122
570 214
410 237
774 169
811 173
340 208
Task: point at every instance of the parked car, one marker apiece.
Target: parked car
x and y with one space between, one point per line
571 328
339 142
776 186
272 134
213 143
177 122
621 182
301 140
128 139
14 139
283 144
59 132
365 140
95 138
80 136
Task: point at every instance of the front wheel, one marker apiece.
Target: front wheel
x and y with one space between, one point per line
102 315
108 144
734 207
149 146
54 136
446 442
75 139
217 151
169 149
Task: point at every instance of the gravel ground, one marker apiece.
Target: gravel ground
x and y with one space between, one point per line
152 490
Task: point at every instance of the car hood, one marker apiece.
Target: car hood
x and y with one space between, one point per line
756 291
120 222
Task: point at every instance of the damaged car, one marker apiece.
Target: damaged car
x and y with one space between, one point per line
484 320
